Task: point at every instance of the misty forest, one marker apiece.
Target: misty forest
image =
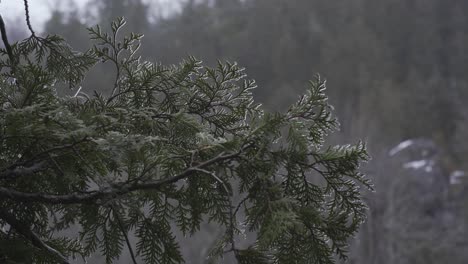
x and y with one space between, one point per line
235 131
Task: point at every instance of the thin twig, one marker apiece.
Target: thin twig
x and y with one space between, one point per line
115 59
122 228
232 216
28 21
240 204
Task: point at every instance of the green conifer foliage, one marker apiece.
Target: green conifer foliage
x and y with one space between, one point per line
176 144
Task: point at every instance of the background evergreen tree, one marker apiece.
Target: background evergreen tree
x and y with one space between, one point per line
183 144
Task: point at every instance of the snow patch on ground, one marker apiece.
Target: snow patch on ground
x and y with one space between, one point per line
403 145
456 177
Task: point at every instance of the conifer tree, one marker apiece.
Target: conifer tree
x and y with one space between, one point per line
169 147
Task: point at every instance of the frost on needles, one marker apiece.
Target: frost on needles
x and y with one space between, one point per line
165 147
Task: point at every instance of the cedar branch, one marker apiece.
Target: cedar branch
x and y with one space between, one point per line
116 190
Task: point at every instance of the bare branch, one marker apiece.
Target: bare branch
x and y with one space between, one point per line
28 21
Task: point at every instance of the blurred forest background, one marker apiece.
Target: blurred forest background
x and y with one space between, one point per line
397 76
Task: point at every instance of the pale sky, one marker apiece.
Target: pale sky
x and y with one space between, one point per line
40 9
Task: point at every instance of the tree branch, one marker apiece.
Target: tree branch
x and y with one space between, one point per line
13 170
28 21
17 171
5 41
116 190
23 229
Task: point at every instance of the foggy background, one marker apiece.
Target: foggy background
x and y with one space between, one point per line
397 76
